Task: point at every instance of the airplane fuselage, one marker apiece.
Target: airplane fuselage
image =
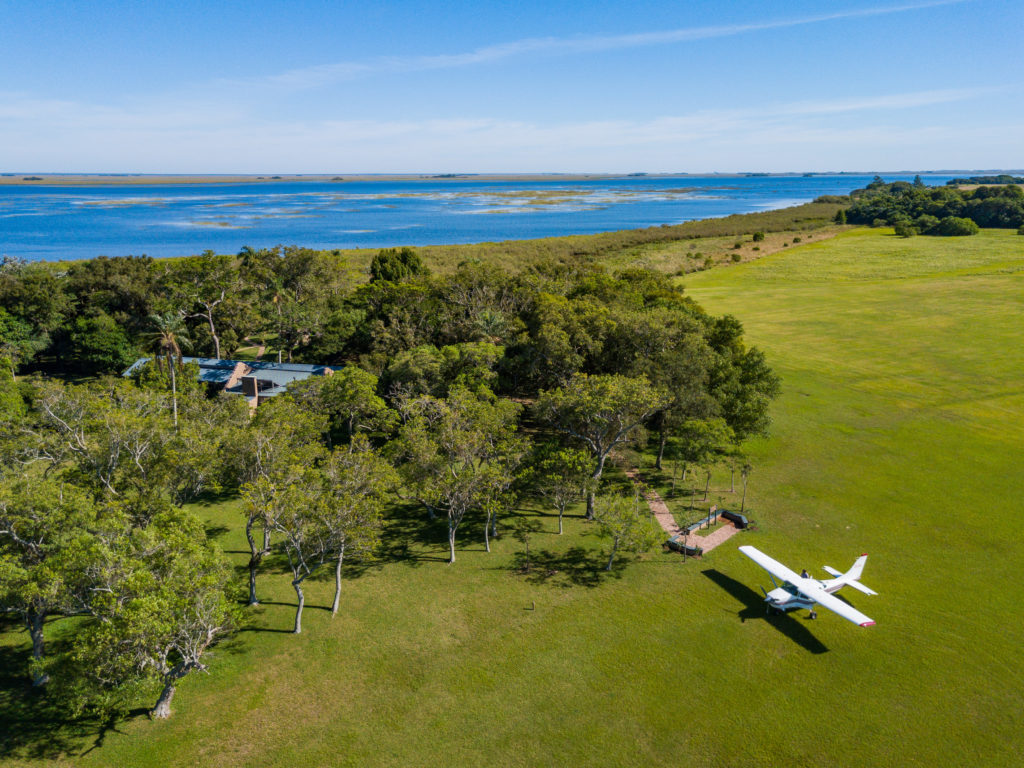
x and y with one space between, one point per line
787 598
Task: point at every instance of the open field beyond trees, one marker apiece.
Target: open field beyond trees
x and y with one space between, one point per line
898 433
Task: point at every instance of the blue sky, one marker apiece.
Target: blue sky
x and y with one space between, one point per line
426 87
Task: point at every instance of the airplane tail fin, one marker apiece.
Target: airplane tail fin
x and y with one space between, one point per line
852 576
857 569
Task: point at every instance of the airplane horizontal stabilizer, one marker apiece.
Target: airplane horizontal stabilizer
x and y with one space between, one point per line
858 586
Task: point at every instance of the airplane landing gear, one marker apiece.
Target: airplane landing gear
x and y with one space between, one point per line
814 614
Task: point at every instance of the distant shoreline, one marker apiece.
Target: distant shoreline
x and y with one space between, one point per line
156 179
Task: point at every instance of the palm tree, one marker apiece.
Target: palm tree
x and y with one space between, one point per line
169 335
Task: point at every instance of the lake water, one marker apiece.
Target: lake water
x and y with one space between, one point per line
51 222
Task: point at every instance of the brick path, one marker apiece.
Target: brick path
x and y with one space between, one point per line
665 519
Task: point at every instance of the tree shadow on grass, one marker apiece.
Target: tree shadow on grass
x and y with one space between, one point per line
214 532
754 608
407 531
575 567
35 723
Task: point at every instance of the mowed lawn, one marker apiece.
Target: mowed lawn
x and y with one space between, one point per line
899 433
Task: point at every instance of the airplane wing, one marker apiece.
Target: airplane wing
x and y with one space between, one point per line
812 590
774 567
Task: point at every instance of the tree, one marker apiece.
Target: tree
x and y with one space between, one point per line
396 265
114 433
167 338
305 537
164 600
840 217
33 294
522 529
261 500
559 474
17 342
280 435
745 471
100 345
620 519
460 454
601 412
358 482
904 228
200 285
348 398
703 442
741 382
47 530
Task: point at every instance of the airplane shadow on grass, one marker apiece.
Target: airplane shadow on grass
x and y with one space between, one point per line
754 608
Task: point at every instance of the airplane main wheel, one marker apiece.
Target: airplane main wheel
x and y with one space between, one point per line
814 615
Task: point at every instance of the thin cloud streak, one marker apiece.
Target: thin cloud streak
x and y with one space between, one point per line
326 74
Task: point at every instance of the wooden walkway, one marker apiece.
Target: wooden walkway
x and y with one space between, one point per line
665 519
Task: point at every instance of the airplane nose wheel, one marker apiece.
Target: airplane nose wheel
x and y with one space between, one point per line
814 614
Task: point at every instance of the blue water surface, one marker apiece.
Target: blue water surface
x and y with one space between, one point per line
53 222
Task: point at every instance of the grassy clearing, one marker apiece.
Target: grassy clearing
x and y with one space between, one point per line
898 433
676 249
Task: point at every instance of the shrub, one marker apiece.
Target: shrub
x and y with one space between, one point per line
737 246
905 229
737 257
840 216
797 239
879 223
955 226
926 223
756 248
1021 230
758 237
708 262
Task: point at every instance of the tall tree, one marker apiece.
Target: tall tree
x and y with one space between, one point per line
601 412
626 522
559 474
166 599
200 285
460 454
167 338
47 530
348 398
358 482
306 538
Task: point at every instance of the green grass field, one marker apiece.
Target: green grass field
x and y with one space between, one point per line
898 433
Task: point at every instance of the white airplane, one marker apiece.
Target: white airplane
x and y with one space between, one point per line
801 591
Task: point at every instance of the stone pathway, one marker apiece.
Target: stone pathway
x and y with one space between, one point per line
665 519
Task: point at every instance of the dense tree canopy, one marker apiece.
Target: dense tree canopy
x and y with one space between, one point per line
937 210
457 392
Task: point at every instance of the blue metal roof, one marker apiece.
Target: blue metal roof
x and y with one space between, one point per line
280 375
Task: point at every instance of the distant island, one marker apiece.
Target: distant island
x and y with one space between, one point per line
1002 178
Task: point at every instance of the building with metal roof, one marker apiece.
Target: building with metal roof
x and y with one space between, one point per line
255 380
